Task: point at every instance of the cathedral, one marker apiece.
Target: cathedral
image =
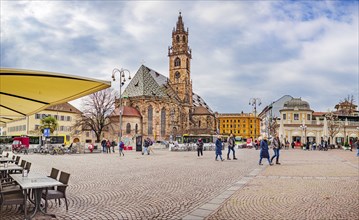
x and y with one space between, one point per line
163 108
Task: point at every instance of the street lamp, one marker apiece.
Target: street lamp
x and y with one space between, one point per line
122 82
304 128
253 102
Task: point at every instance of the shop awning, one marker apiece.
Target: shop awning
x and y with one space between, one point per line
26 92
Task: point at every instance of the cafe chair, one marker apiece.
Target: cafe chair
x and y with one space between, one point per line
7 154
22 164
54 173
15 197
27 167
58 193
17 160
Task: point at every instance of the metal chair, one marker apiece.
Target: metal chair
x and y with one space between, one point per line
59 193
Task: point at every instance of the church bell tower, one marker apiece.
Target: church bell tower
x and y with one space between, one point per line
180 56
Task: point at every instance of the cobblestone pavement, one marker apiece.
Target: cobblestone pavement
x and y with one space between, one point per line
178 185
307 185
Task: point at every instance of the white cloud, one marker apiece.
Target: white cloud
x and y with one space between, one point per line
241 49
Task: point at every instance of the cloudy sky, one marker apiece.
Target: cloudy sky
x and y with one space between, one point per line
240 49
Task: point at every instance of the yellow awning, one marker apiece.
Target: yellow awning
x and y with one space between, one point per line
26 92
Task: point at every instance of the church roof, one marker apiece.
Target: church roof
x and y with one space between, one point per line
201 110
198 101
127 111
148 82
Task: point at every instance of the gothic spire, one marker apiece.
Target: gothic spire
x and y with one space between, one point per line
180 25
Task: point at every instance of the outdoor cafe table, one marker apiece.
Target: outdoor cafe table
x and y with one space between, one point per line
37 182
10 167
5 160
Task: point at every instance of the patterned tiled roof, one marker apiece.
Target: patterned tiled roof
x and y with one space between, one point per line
198 102
148 82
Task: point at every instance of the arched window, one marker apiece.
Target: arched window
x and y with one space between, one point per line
150 120
199 124
184 39
187 64
177 62
163 122
177 39
128 128
136 129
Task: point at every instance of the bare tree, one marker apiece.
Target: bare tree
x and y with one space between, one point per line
96 110
333 125
273 126
346 106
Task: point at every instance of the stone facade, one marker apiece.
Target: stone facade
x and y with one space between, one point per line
168 106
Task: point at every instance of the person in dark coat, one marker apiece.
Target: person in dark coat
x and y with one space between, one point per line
219 146
264 152
199 147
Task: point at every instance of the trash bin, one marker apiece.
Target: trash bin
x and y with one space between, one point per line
139 143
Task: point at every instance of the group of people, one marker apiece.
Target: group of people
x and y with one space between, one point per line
219 147
264 149
108 146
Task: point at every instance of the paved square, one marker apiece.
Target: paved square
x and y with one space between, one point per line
178 185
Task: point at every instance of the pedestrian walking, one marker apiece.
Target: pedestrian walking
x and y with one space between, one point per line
357 145
199 147
264 151
146 144
231 143
108 146
276 148
103 144
113 145
286 144
219 146
121 146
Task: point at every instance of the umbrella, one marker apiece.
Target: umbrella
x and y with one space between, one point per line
26 92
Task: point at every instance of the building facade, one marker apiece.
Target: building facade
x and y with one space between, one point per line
167 107
241 125
65 114
299 124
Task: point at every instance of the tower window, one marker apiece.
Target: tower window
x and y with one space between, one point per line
177 62
187 64
184 39
177 39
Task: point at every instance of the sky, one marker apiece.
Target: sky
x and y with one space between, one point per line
240 49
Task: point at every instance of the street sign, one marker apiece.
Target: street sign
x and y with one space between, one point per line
47 132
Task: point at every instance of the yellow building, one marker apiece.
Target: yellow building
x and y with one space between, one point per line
65 114
243 125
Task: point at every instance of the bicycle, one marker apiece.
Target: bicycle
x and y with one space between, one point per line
58 150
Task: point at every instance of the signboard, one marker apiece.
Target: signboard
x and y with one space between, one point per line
47 132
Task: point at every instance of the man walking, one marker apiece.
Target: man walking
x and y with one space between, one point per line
276 148
231 144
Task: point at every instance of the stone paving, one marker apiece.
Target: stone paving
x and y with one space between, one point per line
178 185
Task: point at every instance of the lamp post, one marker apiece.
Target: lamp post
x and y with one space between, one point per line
122 82
253 102
304 129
